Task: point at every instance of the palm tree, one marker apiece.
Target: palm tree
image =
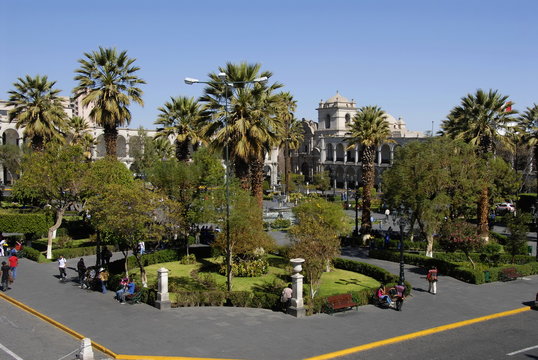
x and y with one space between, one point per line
481 120
249 125
290 133
79 132
181 118
108 83
38 108
529 121
369 129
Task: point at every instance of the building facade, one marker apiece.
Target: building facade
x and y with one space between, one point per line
324 147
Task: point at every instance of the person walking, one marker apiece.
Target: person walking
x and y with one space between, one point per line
5 272
13 263
432 280
387 215
81 269
61 266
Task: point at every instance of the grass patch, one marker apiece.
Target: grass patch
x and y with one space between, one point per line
341 281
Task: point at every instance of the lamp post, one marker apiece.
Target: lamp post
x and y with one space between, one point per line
403 223
227 84
356 231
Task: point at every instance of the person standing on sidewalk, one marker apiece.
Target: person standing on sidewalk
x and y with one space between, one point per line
432 280
61 266
5 270
103 279
13 263
81 269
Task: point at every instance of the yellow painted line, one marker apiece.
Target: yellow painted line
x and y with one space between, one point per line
416 335
97 346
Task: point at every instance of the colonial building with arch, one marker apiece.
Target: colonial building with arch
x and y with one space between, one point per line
324 147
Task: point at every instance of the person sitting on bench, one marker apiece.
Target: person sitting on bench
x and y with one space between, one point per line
382 296
128 289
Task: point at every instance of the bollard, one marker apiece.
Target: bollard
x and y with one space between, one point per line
163 297
86 351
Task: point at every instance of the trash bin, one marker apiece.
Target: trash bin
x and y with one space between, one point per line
487 276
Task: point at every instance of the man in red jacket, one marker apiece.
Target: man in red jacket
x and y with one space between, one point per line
13 263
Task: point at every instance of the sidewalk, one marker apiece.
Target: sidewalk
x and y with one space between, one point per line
244 333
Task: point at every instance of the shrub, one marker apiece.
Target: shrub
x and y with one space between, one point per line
240 298
200 298
281 224
154 258
33 254
188 259
25 223
265 300
74 252
64 241
248 268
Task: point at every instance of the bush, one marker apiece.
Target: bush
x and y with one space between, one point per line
200 298
33 254
64 241
25 223
281 224
154 258
188 259
240 298
74 252
247 268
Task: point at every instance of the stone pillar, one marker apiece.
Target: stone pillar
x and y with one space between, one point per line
297 304
163 297
323 154
356 154
86 351
334 154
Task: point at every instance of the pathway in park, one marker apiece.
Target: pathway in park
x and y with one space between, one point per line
243 333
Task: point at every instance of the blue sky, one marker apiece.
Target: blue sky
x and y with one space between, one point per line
415 59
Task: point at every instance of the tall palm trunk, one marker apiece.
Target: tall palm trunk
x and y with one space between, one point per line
256 180
111 139
368 175
287 166
482 215
182 150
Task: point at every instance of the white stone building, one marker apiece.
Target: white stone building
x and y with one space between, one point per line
324 145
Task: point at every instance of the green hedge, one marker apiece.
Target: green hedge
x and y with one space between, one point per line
25 223
33 254
503 258
255 299
70 253
472 276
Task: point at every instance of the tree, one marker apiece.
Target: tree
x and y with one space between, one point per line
322 181
38 108
107 82
369 129
10 158
79 132
247 237
181 118
315 237
127 214
147 151
457 234
54 177
529 121
433 180
290 132
480 120
248 127
516 243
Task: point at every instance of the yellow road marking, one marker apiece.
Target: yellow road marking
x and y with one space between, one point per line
414 335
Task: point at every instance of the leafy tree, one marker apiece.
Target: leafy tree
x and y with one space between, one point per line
529 122
315 237
79 134
38 108
369 129
457 234
147 151
127 214
480 120
181 118
248 126
517 241
322 181
10 158
433 180
54 177
246 238
107 83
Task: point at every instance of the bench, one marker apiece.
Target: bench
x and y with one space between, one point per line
134 298
509 274
340 302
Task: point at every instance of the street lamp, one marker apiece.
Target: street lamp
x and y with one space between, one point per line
402 223
223 80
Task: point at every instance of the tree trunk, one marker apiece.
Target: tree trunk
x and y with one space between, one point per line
482 215
59 217
182 150
256 180
143 276
368 177
228 267
242 173
111 138
429 248
287 166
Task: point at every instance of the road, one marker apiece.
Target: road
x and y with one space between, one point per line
26 337
512 338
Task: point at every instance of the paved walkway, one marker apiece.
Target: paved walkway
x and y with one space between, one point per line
243 333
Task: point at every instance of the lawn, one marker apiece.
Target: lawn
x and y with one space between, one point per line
336 282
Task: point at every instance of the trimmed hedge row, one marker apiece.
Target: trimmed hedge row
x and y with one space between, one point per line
33 254
70 253
472 276
255 299
503 258
25 223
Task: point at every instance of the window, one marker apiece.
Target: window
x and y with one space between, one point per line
328 121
